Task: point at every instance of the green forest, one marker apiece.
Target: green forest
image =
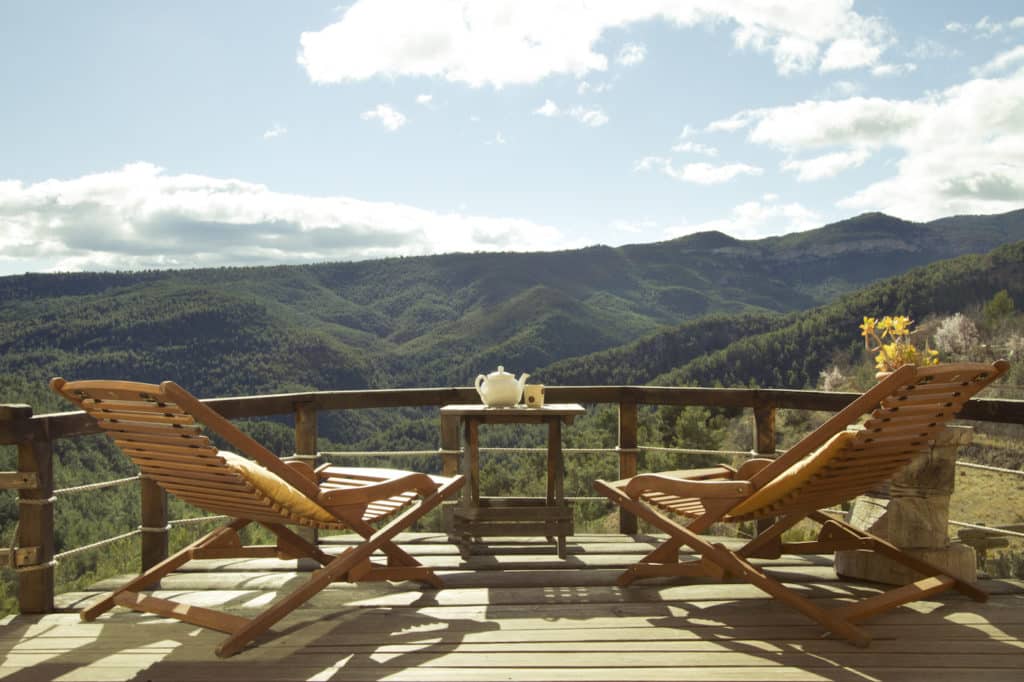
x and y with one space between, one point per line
704 310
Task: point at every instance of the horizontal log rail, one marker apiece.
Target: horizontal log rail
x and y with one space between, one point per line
33 554
15 430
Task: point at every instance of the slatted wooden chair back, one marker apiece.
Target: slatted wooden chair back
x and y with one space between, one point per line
167 443
901 427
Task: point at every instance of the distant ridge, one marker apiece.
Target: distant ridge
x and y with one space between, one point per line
440 320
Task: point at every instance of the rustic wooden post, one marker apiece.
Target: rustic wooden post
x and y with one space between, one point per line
155 527
450 444
305 449
764 443
35 521
764 430
627 448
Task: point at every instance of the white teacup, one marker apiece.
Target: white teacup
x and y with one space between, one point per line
533 395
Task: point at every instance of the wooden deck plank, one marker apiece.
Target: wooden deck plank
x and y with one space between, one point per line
204 673
515 612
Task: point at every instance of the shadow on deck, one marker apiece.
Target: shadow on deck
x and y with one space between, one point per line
517 612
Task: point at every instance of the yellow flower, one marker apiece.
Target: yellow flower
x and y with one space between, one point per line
868 328
890 339
901 326
887 357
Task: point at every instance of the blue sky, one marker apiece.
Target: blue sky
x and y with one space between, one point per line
184 134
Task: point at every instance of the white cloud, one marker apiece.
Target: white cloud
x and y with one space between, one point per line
865 122
594 118
960 150
731 124
843 89
650 163
586 87
590 117
498 139
548 109
424 99
708 174
388 117
894 69
274 131
926 48
631 54
850 53
697 173
985 27
1001 62
755 220
505 42
695 148
140 217
827 165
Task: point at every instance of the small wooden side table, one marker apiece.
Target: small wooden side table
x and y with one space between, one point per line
549 517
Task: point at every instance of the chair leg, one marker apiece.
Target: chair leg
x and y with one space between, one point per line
923 567
156 573
296 545
731 563
338 567
831 620
654 563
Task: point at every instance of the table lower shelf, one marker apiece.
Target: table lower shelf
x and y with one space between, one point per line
512 517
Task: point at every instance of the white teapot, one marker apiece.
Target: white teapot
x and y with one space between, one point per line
500 388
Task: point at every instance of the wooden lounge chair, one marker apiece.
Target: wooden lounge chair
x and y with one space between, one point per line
835 463
160 429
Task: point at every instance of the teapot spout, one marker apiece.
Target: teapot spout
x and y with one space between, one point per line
522 380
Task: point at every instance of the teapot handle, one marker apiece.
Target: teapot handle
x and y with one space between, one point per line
480 380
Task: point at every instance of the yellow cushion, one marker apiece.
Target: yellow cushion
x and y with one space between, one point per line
795 476
276 488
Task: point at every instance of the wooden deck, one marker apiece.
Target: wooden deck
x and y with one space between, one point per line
517 612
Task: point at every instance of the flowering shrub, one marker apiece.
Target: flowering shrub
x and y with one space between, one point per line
957 335
890 339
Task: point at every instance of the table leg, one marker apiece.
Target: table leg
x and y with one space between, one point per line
473 455
471 470
556 474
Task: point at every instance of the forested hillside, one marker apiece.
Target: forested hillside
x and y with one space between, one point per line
440 320
703 310
790 351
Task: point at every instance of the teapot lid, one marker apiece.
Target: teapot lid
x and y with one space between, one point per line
499 372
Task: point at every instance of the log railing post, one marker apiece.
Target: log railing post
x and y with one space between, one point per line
764 443
450 444
305 448
154 523
35 522
764 430
627 448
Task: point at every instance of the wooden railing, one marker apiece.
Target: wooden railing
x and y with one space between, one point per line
34 436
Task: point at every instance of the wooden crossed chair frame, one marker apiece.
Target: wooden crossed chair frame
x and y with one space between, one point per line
833 464
160 427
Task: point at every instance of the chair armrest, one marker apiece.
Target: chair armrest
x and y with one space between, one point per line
752 466
420 483
303 468
686 487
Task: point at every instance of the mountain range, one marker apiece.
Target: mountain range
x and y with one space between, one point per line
440 320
